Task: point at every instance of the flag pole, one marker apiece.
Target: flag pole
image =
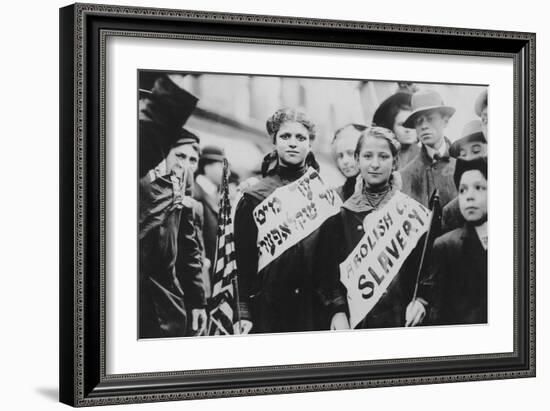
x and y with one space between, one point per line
224 197
435 197
237 300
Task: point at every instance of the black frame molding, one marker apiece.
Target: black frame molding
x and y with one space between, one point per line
83 31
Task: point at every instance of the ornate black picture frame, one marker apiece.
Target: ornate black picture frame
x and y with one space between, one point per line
83 32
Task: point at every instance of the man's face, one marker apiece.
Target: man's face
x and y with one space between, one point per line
214 172
180 158
472 150
292 143
430 128
344 146
472 196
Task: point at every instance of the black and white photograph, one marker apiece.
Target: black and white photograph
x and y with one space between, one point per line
277 204
258 204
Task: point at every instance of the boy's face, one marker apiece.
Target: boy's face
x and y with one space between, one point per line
472 196
430 127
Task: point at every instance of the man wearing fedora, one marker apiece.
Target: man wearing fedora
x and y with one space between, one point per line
471 145
433 168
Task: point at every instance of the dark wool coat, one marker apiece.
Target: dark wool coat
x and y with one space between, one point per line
346 190
422 175
451 217
407 154
459 272
169 262
339 235
283 296
210 223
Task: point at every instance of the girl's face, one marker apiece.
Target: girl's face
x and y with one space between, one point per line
345 145
376 161
404 135
292 143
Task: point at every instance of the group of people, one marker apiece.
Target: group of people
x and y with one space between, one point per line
178 215
401 165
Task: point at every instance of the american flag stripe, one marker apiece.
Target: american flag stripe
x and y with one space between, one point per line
222 304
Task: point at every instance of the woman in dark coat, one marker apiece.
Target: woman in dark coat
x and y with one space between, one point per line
376 155
391 114
282 296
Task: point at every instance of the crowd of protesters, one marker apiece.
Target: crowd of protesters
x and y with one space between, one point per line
404 153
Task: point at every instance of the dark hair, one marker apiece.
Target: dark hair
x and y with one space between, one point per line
379 132
385 114
288 114
479 164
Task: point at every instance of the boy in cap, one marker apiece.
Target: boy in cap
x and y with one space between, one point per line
459 257
432 168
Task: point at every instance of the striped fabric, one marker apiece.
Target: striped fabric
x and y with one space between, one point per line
224 299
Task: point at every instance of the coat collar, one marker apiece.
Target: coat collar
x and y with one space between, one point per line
358 202
427 159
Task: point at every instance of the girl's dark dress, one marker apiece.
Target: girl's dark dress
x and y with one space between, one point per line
339 236
284 295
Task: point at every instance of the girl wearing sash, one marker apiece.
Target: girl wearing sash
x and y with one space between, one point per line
377 158
282 296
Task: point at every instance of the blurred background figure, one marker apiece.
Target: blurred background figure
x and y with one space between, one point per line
233 181
207 187
481 110
406 87
343 146
472 143
391 114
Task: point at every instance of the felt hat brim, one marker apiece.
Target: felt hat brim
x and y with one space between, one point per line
411 120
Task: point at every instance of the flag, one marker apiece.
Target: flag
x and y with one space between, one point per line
224 301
